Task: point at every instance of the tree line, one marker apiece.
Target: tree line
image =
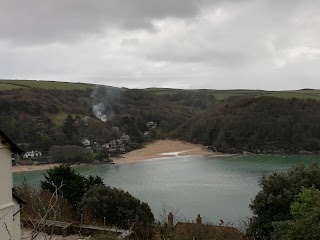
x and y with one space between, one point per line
259 125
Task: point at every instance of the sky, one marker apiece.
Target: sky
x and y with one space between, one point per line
212 44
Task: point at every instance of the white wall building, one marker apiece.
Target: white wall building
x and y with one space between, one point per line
9 204
86 142
106 146
125 137
151 124
32 154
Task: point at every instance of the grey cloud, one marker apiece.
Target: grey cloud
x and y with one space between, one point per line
213 57
38 21
260 44
129 41
243 39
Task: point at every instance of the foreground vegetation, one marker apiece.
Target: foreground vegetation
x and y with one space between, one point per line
286 207
84 200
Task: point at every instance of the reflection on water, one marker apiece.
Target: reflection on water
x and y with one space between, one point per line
216 187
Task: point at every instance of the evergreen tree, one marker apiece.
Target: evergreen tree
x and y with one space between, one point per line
305 212
279 191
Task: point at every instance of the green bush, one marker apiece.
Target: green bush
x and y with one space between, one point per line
118 207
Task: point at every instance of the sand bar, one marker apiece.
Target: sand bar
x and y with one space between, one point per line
163 149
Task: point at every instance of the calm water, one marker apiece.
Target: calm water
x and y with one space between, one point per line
215 187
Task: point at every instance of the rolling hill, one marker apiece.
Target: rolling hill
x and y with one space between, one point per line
41 114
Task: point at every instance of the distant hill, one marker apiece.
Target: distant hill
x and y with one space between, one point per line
218 94
41 114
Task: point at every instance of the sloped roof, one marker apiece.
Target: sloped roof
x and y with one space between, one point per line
14 148
18 198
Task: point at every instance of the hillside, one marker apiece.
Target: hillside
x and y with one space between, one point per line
46 115
242 93
259 125
43 114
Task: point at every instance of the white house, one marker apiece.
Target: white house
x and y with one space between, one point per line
106 146
32 154
151 124
86 142
113 144
125 137
9 201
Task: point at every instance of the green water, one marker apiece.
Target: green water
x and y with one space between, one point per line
219 187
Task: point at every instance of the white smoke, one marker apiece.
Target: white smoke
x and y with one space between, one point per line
104 118
103 100
98 111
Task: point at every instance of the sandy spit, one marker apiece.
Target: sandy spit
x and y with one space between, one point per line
163 149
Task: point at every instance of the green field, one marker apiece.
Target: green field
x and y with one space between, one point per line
218 94
225 94
5 86
22 84
164 91
301 94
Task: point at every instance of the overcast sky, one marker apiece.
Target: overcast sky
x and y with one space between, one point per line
216 44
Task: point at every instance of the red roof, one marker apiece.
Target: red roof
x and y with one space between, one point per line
204 231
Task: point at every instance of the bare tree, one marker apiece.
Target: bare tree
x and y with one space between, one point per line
165 229
165 210
49 208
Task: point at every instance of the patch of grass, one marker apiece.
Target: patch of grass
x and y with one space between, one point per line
5 86
225 94
58 119
301 94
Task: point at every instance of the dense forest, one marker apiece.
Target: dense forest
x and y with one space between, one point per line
259 125
45 118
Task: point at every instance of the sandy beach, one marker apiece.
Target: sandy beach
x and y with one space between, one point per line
163 148
27 168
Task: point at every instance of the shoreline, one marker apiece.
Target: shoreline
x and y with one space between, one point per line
160 149
30 168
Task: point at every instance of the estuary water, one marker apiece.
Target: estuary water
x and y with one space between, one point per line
217 187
